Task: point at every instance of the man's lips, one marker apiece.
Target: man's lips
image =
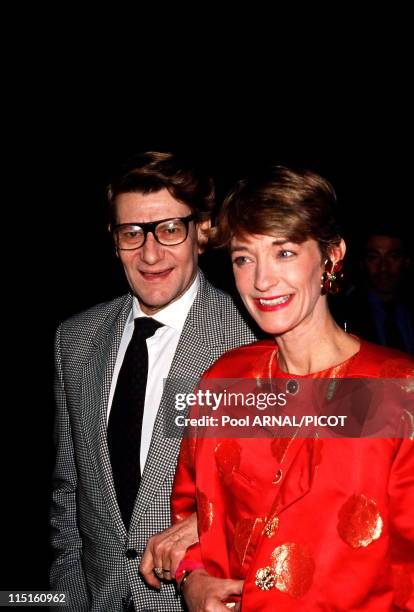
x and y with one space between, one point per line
155 275
273 303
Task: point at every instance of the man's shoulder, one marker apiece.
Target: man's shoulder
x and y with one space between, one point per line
90 320
213 292
211 301
219 320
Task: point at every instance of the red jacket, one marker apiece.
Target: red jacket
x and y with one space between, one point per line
308 524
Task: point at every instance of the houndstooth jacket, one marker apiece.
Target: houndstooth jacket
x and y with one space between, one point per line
93 552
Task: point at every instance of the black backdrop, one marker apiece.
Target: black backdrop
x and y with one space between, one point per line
58 259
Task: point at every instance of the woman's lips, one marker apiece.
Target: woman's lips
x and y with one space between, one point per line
273 303
155 276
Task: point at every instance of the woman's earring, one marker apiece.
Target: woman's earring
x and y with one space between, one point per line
331 278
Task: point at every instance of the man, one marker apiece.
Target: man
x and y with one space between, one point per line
379 308
115 465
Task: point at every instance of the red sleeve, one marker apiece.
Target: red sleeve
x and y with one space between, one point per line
183 502
401 492
183 498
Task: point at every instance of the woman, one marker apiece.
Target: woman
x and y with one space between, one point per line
296 524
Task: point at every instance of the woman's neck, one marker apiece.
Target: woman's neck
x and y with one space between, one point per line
311 347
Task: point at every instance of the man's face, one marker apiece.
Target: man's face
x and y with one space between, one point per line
384 262
157 274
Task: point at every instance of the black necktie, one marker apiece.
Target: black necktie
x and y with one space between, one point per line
125 418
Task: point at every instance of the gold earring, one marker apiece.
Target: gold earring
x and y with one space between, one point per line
331 277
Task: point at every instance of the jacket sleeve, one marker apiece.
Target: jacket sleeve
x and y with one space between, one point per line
184 500
401 494
66 572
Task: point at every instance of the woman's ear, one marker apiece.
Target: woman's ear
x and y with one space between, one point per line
337 252
203 228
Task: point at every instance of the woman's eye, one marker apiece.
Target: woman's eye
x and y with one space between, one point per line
240 261
285 254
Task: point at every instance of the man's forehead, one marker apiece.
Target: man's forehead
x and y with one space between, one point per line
383 244
146 207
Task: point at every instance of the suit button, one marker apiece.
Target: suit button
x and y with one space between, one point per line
131 553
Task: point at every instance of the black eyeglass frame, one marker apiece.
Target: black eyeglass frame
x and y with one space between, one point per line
150 228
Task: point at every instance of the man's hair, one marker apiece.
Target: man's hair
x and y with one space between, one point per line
383 228
295 204
153 171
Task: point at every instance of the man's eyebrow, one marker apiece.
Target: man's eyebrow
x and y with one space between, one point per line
380 252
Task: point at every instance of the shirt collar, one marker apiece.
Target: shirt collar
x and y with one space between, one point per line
173 315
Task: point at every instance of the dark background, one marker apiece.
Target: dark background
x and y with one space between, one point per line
67 137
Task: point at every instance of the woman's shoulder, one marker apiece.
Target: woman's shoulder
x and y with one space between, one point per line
248 360
374 360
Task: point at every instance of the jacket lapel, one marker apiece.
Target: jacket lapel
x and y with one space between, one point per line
96 385
298 470
200 344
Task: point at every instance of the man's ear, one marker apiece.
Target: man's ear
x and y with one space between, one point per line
203 229
110 231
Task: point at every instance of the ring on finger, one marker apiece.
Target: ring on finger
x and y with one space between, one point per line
158 572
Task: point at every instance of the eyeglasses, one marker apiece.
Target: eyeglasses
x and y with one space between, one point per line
168 232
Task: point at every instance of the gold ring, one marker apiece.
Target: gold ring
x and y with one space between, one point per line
158 571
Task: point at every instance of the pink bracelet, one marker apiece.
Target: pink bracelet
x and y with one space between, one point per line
185 568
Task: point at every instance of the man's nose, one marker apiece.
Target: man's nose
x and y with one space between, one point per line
384 264
151 251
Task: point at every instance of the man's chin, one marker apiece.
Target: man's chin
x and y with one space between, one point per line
151 305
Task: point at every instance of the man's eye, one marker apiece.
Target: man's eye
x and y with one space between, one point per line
130 233
285 254
395 256
169 230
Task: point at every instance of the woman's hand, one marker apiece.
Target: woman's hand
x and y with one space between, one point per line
204 593
165 550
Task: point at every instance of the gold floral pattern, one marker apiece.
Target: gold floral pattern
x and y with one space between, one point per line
204 511
293 569
359 522
271 527
265 578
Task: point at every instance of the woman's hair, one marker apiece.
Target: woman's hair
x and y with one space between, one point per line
153 171
293 204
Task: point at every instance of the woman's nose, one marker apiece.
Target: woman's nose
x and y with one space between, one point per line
265 277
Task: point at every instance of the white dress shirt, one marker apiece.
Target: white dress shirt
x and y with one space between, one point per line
161 350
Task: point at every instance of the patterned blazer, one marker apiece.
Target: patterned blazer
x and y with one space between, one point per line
96 560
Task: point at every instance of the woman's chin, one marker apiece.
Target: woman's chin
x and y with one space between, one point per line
274 330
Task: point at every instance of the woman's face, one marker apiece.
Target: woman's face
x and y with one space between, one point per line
279 281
